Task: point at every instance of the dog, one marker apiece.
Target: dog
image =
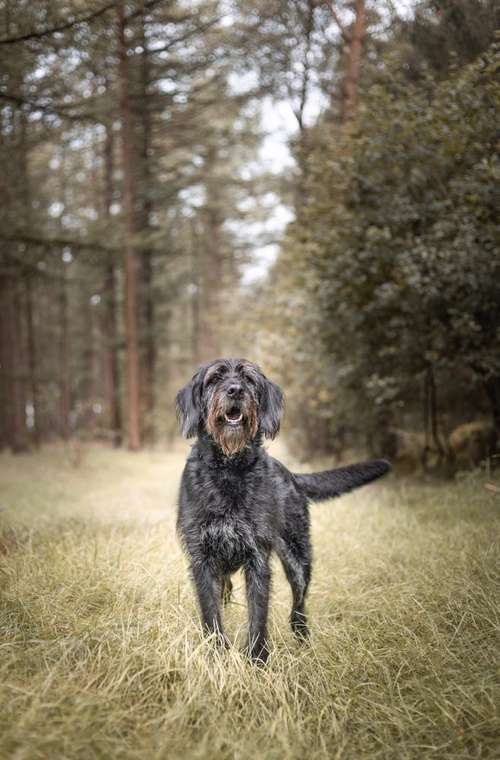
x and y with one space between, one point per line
237 504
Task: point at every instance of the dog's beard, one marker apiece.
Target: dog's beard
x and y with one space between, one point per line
231 439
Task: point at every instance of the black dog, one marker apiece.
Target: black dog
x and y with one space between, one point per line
237 504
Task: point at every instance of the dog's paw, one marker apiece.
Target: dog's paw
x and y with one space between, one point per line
257 652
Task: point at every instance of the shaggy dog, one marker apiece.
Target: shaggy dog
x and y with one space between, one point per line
237 504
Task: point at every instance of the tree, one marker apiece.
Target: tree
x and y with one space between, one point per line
395 256
131 263
109 228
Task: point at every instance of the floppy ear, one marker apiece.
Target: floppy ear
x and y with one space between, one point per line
271 408
188 408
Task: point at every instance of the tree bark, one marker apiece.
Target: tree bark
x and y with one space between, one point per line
492 388
5 388
209 342
304 144
212 270
149 353
434 415
110 326
131 265
354 60
195 262
87 384
28 281
112 367
148 363
64 374
13 371
32 361
354 39
431 426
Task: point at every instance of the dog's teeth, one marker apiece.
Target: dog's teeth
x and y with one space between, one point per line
234 420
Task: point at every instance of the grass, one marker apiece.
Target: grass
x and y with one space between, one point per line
101 654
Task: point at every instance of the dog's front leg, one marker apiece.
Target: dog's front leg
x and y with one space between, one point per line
258 584
208 589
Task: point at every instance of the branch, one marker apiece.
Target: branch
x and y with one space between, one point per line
184 37
343 30
59 111
56 242
60 28
146 6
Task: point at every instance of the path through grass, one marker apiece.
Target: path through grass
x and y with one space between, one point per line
101 654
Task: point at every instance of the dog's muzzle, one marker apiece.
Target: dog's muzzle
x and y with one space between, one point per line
232 418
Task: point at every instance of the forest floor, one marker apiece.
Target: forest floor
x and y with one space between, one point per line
101 654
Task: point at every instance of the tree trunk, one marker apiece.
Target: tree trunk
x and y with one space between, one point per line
64 374
14 380
112 367
110 326
431 426
492 388
195 261
5 388
212 270
110 329
87 381
149 353
354 56
28 281
209 323
131 274
434 416
148 362
32 361
303 147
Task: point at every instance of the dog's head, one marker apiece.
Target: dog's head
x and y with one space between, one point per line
232 401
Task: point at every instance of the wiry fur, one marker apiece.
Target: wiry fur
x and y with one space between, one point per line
237 504
231 440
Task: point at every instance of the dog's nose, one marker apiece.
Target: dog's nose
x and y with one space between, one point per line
234 391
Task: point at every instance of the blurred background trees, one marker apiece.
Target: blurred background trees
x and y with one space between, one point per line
135 202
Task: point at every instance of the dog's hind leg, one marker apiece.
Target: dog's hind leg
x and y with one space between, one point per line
296 563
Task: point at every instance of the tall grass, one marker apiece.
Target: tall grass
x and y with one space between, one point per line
101 653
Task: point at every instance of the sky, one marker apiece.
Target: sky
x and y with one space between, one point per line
279 125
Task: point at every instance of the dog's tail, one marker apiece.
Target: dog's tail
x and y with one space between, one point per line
319 486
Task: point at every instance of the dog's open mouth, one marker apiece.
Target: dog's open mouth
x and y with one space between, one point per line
233 416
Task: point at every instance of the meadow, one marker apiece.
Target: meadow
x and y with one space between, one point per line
101 652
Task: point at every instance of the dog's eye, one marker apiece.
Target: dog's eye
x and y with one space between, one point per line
213 378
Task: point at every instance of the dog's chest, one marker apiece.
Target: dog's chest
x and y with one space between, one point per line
231 531
227 541
226 516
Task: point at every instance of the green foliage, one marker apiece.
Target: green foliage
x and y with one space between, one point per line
394 256
450 31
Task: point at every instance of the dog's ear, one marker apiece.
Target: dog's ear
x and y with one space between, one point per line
271 408
188 407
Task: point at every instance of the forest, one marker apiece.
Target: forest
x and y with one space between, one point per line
310 184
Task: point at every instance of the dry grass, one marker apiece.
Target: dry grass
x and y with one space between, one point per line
101 654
